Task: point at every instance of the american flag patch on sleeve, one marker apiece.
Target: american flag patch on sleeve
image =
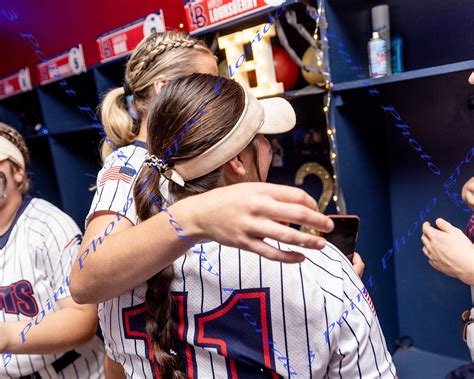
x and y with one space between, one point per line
123 173
369 300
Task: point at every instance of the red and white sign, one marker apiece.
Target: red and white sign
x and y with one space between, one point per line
207 14
16 83
123 40
62 66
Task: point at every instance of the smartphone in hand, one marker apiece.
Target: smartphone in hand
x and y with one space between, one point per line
344 234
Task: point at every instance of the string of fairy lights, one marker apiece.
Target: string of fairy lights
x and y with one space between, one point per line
320 35
239 67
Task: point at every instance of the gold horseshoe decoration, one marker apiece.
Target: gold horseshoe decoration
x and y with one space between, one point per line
313 168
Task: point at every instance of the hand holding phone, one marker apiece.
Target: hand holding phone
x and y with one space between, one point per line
344 234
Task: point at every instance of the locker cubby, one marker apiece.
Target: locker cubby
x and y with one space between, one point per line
22 111
61 109
294 156
76 163
390 185
435 33
110 75
41 170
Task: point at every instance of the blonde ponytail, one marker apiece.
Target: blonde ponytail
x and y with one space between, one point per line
118 124
158 57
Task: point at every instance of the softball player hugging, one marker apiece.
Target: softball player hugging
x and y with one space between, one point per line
247 317
43 332
117 267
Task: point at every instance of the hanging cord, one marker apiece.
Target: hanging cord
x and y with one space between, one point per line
291 18
213 46
322 45
284 42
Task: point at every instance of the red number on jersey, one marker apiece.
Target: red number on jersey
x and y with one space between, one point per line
245 317
134 321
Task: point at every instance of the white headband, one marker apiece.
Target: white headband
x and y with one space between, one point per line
9 151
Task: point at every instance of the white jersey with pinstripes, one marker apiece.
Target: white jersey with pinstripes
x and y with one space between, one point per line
122 319
36 256
243 316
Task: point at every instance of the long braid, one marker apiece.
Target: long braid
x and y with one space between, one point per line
160 324
176 103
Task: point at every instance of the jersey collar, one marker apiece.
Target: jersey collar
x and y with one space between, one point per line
24 203
140 144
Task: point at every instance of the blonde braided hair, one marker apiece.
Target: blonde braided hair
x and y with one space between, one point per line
155 48
158 57
17 139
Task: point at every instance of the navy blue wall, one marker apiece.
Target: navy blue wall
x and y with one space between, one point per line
363 170
437 111
387 183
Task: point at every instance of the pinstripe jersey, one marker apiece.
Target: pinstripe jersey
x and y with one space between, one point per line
112 194
243 316
122 319
36 255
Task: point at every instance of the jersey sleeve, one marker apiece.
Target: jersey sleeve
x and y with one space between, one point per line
61 244
114 188
357 344
344 337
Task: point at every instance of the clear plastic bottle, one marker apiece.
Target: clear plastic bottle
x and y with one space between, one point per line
377 56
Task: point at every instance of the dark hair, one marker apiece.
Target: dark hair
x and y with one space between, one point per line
177 103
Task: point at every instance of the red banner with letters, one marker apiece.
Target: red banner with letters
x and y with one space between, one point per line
62 66
203 15
16 83
122 41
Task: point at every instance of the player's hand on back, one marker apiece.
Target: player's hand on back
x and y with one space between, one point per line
242 215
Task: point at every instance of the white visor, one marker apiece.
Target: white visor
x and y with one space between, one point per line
268 116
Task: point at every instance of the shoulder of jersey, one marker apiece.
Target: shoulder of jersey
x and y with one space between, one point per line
48 212
329 250
119 156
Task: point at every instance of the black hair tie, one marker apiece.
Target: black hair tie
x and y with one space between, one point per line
127 90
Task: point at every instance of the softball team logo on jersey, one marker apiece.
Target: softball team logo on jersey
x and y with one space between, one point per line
76 240
36 254
17 298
